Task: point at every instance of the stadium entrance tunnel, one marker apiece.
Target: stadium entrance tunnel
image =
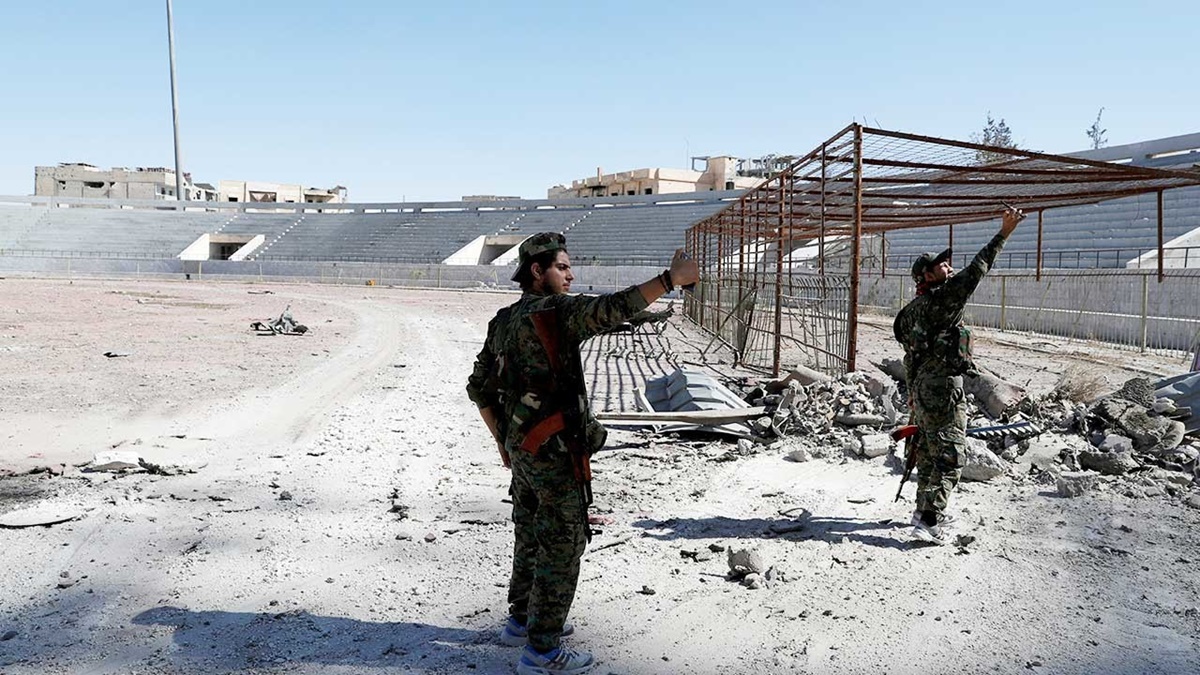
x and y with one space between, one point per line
222 247
492 249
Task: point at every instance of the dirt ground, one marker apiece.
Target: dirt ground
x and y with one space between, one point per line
342 511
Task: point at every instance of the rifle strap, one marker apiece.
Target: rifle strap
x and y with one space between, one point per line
545 324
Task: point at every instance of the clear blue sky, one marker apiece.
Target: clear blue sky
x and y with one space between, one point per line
434 100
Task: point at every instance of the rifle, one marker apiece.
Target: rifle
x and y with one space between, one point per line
571 416
1016 429
910 452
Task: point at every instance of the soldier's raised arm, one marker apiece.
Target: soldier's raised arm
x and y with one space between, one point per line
960 287
586 316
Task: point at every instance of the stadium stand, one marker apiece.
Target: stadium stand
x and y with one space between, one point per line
634 230
15 222
116 232
634 235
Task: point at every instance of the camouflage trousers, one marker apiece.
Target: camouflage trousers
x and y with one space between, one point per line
940 412
550 539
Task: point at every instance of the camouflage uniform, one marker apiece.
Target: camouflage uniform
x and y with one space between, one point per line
513 376
937 355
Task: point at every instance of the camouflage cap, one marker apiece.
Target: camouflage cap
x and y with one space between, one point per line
926 261
536 245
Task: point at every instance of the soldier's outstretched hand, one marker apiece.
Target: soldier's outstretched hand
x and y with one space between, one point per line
1011 218
684 270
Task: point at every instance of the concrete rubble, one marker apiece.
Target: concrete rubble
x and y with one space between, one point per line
1121 435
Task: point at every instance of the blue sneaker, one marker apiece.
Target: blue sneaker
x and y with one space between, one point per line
514 634
560 661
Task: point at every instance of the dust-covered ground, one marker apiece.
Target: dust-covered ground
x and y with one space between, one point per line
337 507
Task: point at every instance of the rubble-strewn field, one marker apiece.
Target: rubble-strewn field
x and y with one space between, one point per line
331 503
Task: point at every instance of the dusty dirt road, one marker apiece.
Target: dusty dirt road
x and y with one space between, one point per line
346 514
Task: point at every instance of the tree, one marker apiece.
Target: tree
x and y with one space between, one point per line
996 134
1096 133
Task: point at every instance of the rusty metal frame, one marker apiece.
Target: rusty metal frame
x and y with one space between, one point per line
864 182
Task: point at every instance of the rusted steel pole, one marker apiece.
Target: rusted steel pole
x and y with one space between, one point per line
855 244
1038 269
720 261
821 238
778 285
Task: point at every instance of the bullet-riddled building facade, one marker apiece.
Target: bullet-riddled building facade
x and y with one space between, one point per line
720 173
77 179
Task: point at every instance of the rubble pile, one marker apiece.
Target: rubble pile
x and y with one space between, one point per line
1129 440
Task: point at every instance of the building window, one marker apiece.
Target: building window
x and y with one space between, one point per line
728 185
631 192
233 199
649 191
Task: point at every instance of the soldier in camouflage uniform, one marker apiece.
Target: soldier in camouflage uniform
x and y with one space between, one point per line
518 384
937 354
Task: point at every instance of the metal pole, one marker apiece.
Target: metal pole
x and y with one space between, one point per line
1145 304
1003 301
180 195
855 243
1038 276
1160 236
776 352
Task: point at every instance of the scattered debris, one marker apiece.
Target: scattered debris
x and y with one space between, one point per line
284 325
114 355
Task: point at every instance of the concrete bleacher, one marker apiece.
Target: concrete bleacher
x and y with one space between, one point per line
404 237
15 221
606 231
116 232
635 235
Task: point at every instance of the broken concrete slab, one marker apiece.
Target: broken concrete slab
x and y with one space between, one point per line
801 374
1116 443
42 514
1108 463
861 419
1076 483
993 394
876 445
798 455
745 561
114 460
1042 452
981 464
1149 432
